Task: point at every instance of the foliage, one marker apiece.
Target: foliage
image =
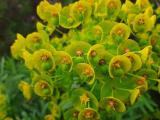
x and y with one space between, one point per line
16 106
105 59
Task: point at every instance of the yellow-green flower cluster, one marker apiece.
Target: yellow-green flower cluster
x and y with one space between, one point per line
91 56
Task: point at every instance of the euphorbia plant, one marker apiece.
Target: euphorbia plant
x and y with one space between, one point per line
91 57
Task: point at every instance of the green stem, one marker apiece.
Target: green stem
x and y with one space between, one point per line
130 74
112 92
88 106
158 80
93 86
59 31
123 89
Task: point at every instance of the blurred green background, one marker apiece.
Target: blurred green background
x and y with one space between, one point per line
19 16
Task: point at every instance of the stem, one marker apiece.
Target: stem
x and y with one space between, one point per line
88 106
112 92
59 31
130 74
158 80
93 86
123 89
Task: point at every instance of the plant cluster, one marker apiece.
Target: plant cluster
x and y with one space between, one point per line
92 57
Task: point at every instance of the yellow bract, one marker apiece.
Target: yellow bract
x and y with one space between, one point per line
34 41
28 59
49 117
124 63
43 88
135 60
88 114
26 89
18 46
43 56
134 94
145 53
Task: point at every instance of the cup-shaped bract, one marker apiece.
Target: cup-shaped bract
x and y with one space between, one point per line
78 48
145 53
46 11
93 34
81 10
82 98
128 46
113 8
130 8
66 18
100 9
18 46
94 53
112 104
88 114
63 60
43 88
119 65
155 42
147 74
71 114
143 23
135 60
145 77
99 58
143 4
43 60
119 33
36 40
85 72
106 26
